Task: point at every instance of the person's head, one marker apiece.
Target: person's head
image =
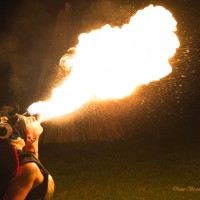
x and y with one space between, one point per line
20 130
33 132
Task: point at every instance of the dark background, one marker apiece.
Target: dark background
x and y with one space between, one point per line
164 108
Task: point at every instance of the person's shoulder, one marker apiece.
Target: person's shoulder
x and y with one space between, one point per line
29 168
26 174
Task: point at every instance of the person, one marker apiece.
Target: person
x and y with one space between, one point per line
29 179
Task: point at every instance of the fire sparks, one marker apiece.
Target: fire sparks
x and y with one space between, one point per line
111 62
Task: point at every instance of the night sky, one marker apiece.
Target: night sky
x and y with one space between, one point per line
26 34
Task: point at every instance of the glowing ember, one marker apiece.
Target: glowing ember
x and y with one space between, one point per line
111 62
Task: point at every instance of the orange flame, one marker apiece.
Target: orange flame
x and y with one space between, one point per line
112 62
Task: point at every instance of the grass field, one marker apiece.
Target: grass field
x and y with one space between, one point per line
136 169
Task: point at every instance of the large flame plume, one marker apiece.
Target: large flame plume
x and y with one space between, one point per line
112 62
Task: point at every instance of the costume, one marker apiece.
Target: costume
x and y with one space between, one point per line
39 192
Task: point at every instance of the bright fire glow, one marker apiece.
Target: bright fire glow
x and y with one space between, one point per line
111 62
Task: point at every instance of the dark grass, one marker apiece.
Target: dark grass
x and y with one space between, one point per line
139 168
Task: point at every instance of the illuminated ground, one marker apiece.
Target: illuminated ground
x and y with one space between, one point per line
143 168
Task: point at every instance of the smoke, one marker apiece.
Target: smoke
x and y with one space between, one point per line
21 48
104 12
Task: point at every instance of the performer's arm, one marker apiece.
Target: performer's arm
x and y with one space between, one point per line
28 177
